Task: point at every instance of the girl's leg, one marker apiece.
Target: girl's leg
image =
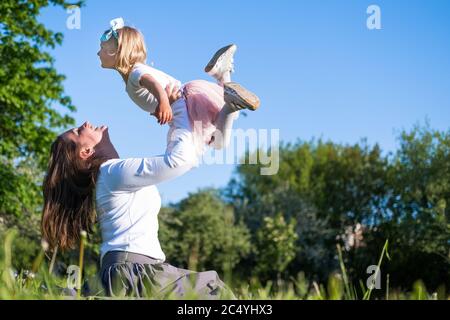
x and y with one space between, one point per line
220 67
224 123
225 118
236 98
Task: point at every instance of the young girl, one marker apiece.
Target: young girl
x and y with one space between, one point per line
203 115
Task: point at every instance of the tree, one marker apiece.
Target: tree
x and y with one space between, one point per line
200 233
29 88
275 246
330 188
417 210
325 187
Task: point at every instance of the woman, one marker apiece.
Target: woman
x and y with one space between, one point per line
84 164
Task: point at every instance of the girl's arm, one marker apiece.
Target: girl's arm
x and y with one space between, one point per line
163 112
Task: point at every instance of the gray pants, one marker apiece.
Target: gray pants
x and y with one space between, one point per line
131 274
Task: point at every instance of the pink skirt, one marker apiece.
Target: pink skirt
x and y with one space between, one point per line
204 100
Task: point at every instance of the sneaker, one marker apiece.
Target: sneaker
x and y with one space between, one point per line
221 62
239 97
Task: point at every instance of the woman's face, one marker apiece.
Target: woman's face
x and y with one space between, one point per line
107 53
86 137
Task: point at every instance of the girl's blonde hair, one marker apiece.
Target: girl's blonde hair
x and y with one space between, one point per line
130 49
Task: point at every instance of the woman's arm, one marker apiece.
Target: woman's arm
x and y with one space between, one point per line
163 112
133 174
174 93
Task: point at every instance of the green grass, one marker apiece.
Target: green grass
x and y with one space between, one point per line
39 283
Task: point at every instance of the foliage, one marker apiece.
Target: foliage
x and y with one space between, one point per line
357 197
275 245
30 88
200 232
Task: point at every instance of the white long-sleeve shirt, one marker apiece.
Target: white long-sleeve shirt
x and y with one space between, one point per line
128 203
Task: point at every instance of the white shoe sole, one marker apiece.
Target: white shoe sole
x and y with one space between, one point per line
237 95
221 61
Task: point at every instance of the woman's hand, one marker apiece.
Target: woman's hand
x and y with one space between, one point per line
174 93
163 113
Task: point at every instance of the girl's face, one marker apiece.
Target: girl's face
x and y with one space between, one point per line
107 53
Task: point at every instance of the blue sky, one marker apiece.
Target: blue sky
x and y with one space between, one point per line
318 70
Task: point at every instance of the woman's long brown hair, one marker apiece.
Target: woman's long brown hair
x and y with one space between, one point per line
69 203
